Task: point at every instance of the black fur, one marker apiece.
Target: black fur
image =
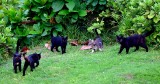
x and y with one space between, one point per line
30 61
134 41
58 41
17 58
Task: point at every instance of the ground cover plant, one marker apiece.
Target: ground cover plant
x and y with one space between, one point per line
81 67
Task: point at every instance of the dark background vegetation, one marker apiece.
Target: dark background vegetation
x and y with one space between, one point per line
32 20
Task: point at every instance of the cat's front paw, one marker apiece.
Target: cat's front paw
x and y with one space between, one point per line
119 52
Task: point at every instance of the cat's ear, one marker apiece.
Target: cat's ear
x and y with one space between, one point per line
122 36
66 37
40 53
116 35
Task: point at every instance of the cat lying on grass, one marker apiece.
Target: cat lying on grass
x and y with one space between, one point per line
97 43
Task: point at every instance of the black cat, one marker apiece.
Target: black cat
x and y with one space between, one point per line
134 41
58 41
97 43
17 58
30 61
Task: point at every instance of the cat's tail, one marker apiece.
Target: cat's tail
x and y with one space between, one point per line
95 30
25 58
18 44
52 32
149 32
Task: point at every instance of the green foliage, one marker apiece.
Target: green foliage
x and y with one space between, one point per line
135 16
9 15
98 25
57 5
63 11
35 18
96 4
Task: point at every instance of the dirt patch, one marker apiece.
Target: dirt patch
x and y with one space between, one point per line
128 76
156 58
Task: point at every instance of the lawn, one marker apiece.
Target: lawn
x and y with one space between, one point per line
82 67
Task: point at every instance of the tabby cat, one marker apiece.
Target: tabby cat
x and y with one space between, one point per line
97 43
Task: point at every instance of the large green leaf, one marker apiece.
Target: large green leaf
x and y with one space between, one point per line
44 33
44 17
55 33
33 32
156 19
156 7
1 7
1 15
82 12
68 0
27 4
2 38
36 18
158 40
2 23
88 2
52 14
35 9
148 2
151 15
102 2
42 2
59 18
142 4
63 12
26 12
70 5
38 1
12 12
95 2
20 32
74 18
59 27
147 12
36 26
57 5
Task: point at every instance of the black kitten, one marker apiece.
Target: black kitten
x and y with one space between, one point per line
17 58
134 41
58 41
30 61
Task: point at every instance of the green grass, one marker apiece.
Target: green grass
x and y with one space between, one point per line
81 67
